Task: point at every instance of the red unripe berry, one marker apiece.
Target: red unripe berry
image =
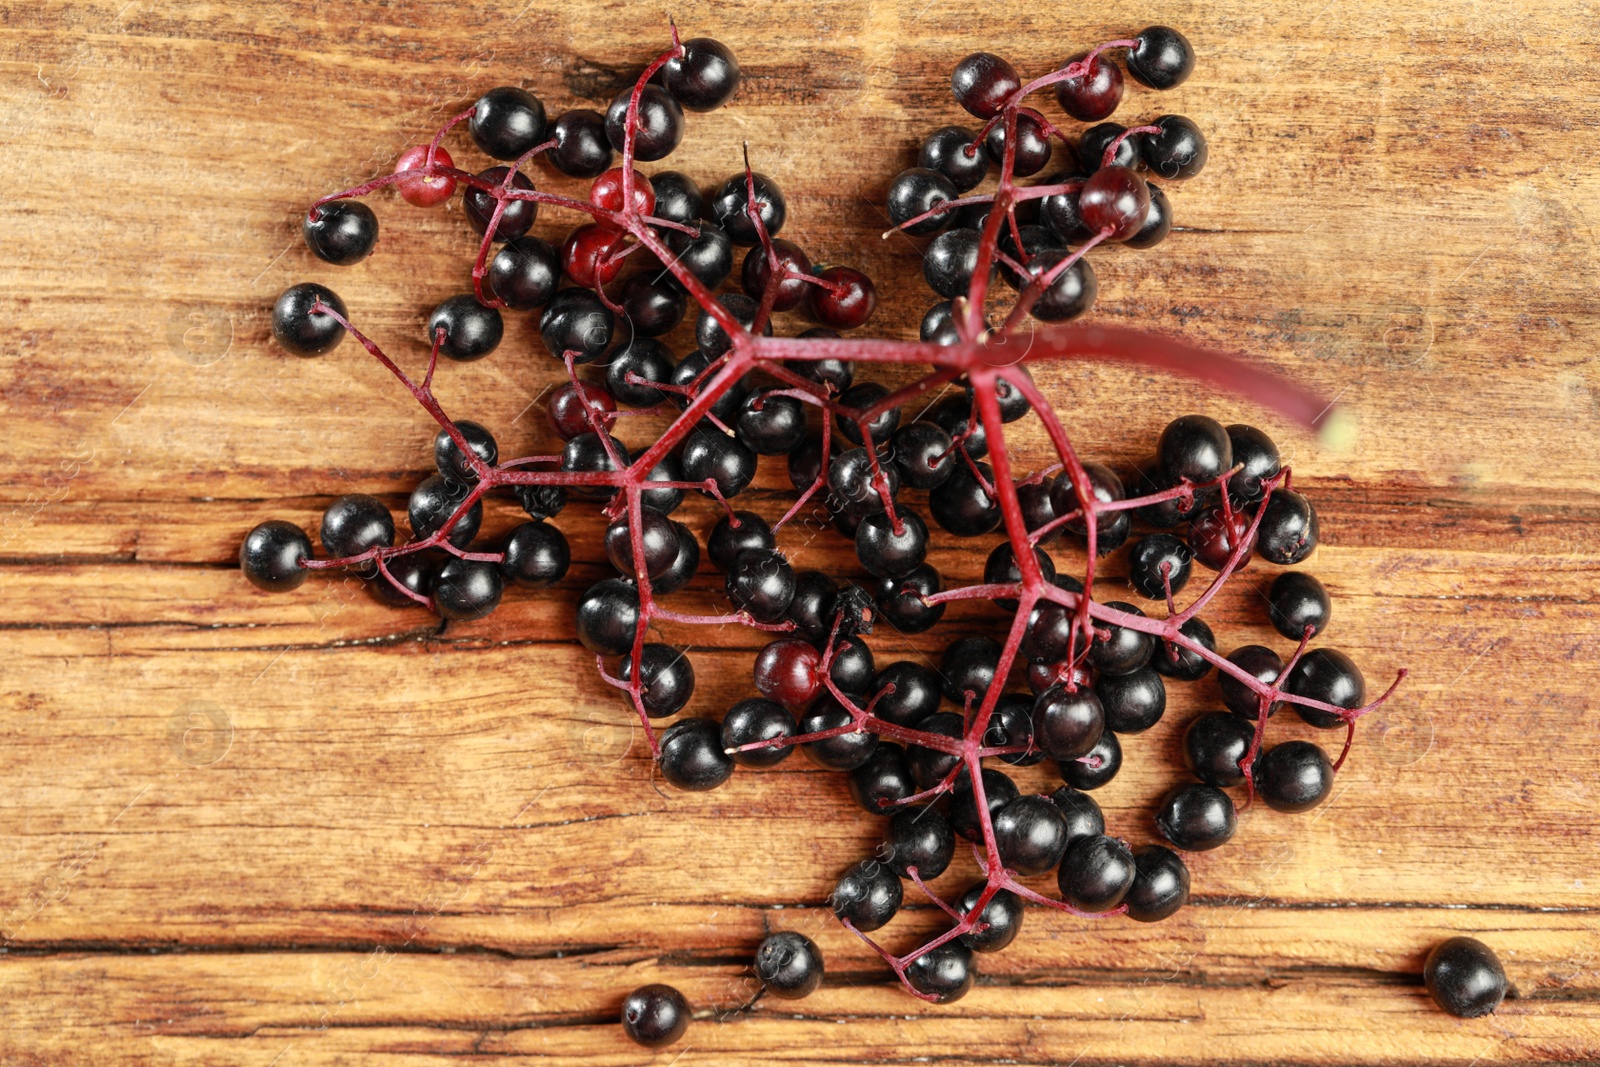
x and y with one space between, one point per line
586 255
429 190
757 272
1115 199
786 671
567 412
1094 96
606 192
846 301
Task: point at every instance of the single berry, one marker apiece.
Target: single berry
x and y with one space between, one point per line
354 524
881 783
507 122
525 273
1001 568
867 895
950 262
1260 663
1160 884
1288 532
946 150
1257 458
1111 527
587 453
859 399
572 403
1214 747
854 486
886 552
1095 141
1096 767
537 556
1157 222
1197 817
786 670
920 839
772 424
341 231
705 77
1296 603
707 254
917 191
793 266
684 567
1294 776
922 451
1093 95
1068 725
582 150
736 533
789 964
750 721
516 217
1031 834
271 554
660 123
902 601
761 584
713 338
692 756
577 322
435 501
1096 873
1158 564
1194 448
655 1015
1132 702
694 371
1161 57
1083 815
666 678
845 299
963 505
471 331
1214 534
1070 294
658 539
1123 649
1178 151
997 925
1465 978
466 589
730 208
588 255
300 329
654 304
1181 662
677 197
983 82
632 370
954 416
998 791
424 190
1328 675
1033 144
608 617
711 455
945 972
1114 202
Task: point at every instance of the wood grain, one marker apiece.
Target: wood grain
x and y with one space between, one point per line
308 829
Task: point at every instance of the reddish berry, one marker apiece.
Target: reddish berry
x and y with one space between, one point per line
586 257
425 191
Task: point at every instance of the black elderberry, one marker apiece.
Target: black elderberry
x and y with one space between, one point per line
711 455
945 972
1033 144
962 505
761 584
1294 776
842 752
863 397
356 523
1257 458
789 964
632 370
854 487
657 537
882 782
1160 884
946 150
853 667
467 589
730 207
954 416
536 556
886 552
812 608
1197 817
471 331
588 454
582 150
1161 58
608 617
1012 724
1096 139
1111 527
1328 675
677 197
753 720
1031 834
271 554
683 567
1465 978
917 191
653 304
692 756
1195 448
1157 563
998 791
1082 814
705 77
301 330
1157 222
919 838
660 123
516 217
692 369
950 262
434 501
793 267
902 601
1132 702
1297 603
1068 725
655 1015
1288 532
710 334
1178 151
343 231
923 452
1185 664
1001 568
997 924
708 254
1123 649
1215 745
1097 766
525 273
507 122
1261 663
577 322
867 895
1096 873
983 83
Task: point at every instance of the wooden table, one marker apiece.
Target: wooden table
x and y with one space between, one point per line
306 829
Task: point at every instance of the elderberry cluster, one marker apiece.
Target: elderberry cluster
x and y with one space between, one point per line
1066 669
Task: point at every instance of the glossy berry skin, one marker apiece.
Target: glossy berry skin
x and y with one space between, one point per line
1001 568
950 262
968 667
962 506
586 256
659 539
1160 884
888 554
843 752
862 397
710 454
1177 152
569 407
506 122
761 584
945 151
471 331
1035 239
1194 448
1132 702
1071 294
1158 562
692 756
434 501
757 273
1001 919
677 197
632 370
1214 748
884 780
1082 814
867 895
729 208
1067 726
854 487
424 190
1157 221
1096 873
299 329
919 838
581 150
1033 144
1059 211
537 556
755 720
1095 141
1465 978
998 791
606 192
1214 533
660 123
789 964
730 537
1328 675
355 523
1197 818
692 371
1162 58
608 617
516 218
466 589
836 374
916 692
786 671
945 973
1260 662
1296 603
654 304
982 83
271 553
1124 650
415 571
1012 724
1096 767
707 255
587 454
1031 834
1165 514
342 233
1294 776
683 568
525 273
1186 665
922 451
1258 455
710 335
771 424
705 77
655 1016
930 766
1093 96
954 416
938 326
901 600
1111 528
1114 202
916 191
846 299
1289 531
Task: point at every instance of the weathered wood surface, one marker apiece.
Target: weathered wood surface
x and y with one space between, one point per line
307 829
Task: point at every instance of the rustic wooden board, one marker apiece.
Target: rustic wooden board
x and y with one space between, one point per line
308 829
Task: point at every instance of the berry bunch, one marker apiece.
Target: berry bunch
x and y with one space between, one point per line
1093 667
